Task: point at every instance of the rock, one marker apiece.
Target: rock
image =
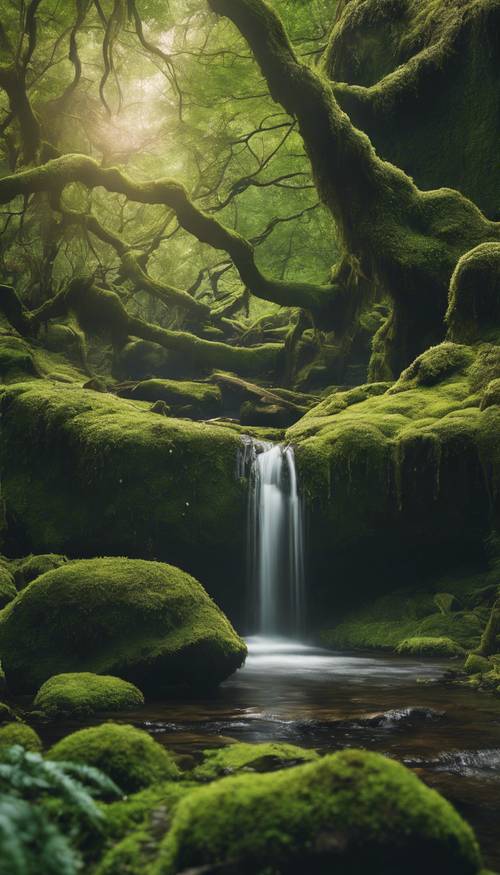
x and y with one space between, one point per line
81 694
474 303
475 664
97 476
349 812
129 756
146 622
428 646
19 733
267 757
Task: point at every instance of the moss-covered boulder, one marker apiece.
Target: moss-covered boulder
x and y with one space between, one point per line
19 733
350 812
146 622
196 400
129 756
266 757
428 646
90 474
81 694
475 664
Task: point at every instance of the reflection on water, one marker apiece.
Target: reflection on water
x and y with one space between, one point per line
315 698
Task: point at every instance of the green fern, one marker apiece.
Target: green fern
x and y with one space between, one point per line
44 809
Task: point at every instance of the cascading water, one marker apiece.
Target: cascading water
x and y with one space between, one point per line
275 538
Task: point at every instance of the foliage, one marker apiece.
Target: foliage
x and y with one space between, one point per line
44 806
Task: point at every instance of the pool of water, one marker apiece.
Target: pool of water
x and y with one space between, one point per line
400 707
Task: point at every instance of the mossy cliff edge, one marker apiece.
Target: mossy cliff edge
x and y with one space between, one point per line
85 473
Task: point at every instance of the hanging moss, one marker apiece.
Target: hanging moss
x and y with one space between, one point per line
88 474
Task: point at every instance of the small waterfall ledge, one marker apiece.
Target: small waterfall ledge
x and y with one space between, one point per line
275 538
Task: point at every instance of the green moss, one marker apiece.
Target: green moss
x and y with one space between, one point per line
147 622
81 694
197 400
19 733
422 76
129 756
474 304
475 664
410 471
266 757
383 622
31 567
8 589
16 359
429 646
350 812
136 825
88 474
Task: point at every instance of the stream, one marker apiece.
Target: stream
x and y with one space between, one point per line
316 698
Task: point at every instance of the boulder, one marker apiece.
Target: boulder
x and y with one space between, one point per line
349 812
145 622
129 756
81 694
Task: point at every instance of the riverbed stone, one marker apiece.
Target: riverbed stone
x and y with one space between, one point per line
350 812
81 694
129 756
146 622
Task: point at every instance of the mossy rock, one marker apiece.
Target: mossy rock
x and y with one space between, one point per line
475 664
83 693
31 567
203 400
86 473
19 733
491 395
266 757
136 825
474 304
16 359
410 471
146 622
129 756
349 812
428 646
8 589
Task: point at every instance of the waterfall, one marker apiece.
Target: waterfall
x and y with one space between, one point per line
275 548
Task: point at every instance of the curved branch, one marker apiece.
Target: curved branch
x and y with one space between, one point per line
62 171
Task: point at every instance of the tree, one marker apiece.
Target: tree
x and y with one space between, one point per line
395 240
